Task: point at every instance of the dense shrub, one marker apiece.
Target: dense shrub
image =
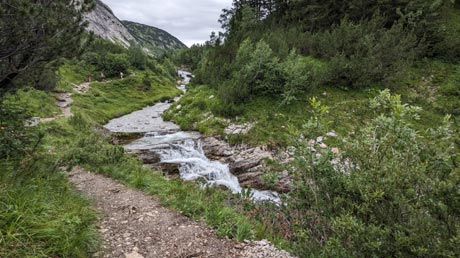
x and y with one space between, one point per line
15 138
449 45
366 53
47 80
392 192
114 64
258 72
137 57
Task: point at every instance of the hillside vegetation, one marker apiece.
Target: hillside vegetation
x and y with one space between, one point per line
154 40
384 75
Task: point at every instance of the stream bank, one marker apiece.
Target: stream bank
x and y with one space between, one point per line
164 146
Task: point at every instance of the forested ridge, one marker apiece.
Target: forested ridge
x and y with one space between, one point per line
363 43
384 74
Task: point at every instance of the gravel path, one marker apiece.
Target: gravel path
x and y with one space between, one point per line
64 101
135 225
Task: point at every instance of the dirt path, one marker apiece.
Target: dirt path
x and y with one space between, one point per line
135 225
81 88
64 101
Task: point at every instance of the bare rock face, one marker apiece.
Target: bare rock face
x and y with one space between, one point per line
252 180
104 23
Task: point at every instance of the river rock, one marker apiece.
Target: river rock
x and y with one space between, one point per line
255 180
170 168
215 148
252 180
248 159
239 128
147 156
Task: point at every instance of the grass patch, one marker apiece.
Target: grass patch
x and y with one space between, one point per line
108 100
275 124
433 85
73 72
42 216
34 102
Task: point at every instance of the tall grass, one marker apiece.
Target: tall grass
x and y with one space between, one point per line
42 216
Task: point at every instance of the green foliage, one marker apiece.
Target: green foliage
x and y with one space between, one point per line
48 80
367 52
258 72
300 77
361 43
169 68
189 56
15 139
36 34
114 64
32 102
137 57
119 97
392 192
41 215
449 43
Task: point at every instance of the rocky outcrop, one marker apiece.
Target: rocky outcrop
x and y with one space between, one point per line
147 157
248 160
153 160
247 164
103 22
239 128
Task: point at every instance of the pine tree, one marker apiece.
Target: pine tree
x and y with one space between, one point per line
34 33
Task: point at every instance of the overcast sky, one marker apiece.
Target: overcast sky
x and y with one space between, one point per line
192 21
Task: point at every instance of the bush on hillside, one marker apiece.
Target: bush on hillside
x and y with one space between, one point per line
137 57
15 138
364 53
47 80
392 192
114 64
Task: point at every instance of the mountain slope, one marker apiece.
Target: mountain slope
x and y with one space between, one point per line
152 39
103 22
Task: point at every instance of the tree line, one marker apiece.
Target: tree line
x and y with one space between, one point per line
354 44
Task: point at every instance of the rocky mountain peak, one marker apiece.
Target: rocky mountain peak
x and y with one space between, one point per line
104 23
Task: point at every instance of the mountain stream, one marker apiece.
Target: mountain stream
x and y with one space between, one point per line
180 147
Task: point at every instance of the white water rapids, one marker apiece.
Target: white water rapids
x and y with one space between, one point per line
179 147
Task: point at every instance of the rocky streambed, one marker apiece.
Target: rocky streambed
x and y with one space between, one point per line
208 160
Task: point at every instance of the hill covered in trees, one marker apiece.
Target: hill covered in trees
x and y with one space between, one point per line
385 76
363 43
154 40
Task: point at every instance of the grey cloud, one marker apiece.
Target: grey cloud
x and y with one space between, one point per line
190 21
